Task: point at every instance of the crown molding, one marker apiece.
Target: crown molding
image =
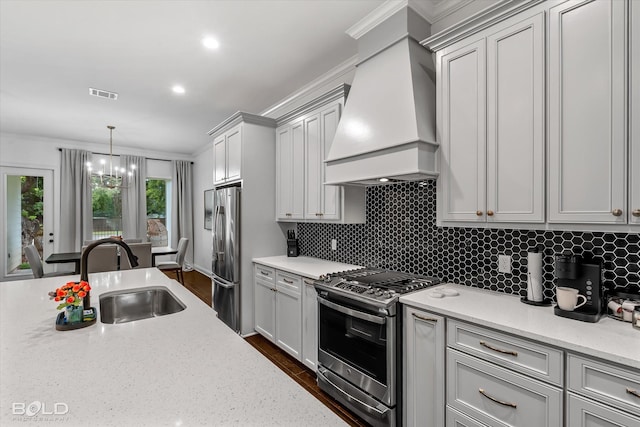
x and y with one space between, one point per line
339 92
477 22
443 9
242 117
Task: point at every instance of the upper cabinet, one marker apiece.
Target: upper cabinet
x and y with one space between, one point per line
303 139
491 121
236 144
634 114
587 141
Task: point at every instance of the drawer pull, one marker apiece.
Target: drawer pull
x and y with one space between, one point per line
633 392
616 212
285 280
636 212
426 319
482 392
264 272
308 282
513 353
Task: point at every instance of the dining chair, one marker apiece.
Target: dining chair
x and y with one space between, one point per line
142 251
102 258
176 265
36 264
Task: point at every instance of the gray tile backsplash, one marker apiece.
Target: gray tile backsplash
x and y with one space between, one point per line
401 234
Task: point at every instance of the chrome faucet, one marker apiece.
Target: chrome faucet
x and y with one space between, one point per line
84 262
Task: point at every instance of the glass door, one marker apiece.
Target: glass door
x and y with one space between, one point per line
26 202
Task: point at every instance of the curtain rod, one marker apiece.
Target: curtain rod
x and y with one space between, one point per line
106 154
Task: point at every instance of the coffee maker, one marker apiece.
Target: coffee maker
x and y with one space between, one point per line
586 277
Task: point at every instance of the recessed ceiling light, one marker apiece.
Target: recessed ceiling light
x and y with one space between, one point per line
178 89
210 43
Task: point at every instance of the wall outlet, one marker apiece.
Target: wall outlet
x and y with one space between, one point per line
334 245
504 263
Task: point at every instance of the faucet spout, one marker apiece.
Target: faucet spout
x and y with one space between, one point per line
84 261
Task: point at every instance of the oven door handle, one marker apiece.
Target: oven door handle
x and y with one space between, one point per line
368 408
353 313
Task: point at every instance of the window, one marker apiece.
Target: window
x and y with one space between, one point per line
107 210
157 211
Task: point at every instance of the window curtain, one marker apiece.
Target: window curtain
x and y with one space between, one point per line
134 199
76 222
182 205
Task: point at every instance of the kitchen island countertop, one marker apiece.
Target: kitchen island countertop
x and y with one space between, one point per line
608 339
186 368
304 265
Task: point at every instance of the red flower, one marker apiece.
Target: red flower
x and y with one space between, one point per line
70 300
86 288
57 299
82 294
60 293
75 288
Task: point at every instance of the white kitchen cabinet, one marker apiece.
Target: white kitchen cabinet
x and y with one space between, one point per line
491 121
227 154
288 313
587 162
634 113
265 302
583 412
290 171
309 324
423 368
304 139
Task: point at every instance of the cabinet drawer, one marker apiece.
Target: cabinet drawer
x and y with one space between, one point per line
265 273
288 282
605 383
584 412
527 357
457 419
499 397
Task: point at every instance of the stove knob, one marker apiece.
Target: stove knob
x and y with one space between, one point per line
327 278
386 294
378 292
370 291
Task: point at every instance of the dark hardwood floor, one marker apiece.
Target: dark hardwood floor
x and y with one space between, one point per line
200 286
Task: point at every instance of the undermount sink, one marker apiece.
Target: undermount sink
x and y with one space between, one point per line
137 304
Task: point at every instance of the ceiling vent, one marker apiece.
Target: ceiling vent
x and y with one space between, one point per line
103 93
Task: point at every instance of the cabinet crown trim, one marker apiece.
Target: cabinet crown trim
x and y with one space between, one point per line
339 92
241 117
485 18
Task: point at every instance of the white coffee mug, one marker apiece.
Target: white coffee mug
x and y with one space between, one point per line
568 298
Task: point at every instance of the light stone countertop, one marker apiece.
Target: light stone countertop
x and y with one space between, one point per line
304 265
607 339
186 368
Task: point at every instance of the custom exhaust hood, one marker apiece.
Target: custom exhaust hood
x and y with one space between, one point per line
387 129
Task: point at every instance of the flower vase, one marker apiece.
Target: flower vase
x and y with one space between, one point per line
73 313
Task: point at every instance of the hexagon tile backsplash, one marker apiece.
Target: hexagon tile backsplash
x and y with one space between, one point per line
401 234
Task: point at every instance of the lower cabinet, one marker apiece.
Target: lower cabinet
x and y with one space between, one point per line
423 368
278 308
583 412
309 324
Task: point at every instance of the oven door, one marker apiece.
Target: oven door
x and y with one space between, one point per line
359 347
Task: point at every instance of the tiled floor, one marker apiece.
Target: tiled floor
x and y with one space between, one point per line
200 285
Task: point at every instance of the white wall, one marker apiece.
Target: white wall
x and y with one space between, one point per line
202 180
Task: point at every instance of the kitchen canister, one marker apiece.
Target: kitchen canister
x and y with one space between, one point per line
534 275
635 322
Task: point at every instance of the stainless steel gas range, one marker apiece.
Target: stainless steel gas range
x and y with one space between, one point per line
359 339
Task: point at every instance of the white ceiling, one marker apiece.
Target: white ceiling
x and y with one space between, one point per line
52 51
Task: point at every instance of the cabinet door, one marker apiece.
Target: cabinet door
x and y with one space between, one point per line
634 114
219 160
309 324
331 194
463 111
284 173
289 314
313 168
424 351
265 309
297 175
234 153
588 413
587 168
515 124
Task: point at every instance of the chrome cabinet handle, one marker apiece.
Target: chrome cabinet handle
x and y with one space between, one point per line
319 214
489 213
307 282
501 402
636 212
616 212
633 392
288 214
426 319
484 344
479 213
284 279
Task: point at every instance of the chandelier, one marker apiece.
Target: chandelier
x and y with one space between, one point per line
113 176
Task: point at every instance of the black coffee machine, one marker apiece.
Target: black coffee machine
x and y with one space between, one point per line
586 277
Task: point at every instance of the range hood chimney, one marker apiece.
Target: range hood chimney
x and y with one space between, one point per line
387 130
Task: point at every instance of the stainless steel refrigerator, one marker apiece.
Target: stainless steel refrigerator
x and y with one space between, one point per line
226 255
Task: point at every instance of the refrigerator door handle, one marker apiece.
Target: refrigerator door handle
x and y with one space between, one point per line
225 285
